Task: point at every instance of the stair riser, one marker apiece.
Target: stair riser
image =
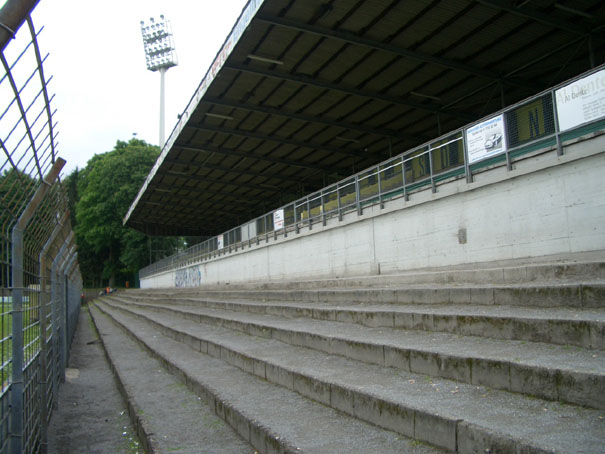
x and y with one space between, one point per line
492 276
260 437
575 296
433 429
561 332
550 384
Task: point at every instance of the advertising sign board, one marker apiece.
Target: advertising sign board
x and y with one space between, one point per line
486 139
581 101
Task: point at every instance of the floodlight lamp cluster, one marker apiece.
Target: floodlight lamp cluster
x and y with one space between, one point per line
159 47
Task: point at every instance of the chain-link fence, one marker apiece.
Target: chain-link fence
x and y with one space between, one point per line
40 282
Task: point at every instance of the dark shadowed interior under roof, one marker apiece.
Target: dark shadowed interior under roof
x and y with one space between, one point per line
316 90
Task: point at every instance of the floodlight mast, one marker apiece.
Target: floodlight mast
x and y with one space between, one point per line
160 55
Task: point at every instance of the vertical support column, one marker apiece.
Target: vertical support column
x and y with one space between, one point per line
162 104
16 387
58 325
406 196
44 379
556 122
467 168
433 187
358 196
63 272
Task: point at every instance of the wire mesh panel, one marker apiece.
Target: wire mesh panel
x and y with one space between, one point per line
33 228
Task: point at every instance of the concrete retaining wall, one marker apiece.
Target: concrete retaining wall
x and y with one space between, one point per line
545 205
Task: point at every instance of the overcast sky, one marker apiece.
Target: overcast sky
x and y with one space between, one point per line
104 92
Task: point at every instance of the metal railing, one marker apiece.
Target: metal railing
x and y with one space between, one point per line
40 281
500 139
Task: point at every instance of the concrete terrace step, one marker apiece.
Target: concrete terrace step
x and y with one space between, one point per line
168 417
573 375
563 326
457 416
273 419
569 267
576 294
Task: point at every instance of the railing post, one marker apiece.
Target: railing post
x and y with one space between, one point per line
467 167
556 122
433 187
406 197
358 196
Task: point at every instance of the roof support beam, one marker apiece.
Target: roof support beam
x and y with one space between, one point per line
432 108
238 171
286 162
406 53
536 16
283 141
308 118
184 211
203 179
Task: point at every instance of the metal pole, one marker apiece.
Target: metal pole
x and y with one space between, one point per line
57 322
16 387
162 104
44 380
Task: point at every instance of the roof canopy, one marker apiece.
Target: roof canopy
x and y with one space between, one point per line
305 93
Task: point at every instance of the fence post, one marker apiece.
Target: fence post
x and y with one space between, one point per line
16 387
57 325
65 267
44 379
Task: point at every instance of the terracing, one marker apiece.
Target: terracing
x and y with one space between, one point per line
499 357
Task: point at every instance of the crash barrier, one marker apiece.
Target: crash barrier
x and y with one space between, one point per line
536 125
40 280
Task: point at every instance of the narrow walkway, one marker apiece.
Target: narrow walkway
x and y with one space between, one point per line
91 417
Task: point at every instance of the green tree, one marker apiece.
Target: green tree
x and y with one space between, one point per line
105 189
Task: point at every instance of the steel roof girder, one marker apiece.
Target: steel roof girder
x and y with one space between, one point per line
306 118
536 16
286 162
352 91
406 53
282 140
237 171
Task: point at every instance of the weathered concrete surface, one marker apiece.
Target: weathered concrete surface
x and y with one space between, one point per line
442 412
546 205
481 361
91 417
273 419
169 417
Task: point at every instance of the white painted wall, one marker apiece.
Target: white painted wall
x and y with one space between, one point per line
545 205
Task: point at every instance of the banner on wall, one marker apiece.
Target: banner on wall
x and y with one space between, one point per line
278 219
581 101
219 242
486 139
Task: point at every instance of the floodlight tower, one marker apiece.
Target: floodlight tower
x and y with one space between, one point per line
160 55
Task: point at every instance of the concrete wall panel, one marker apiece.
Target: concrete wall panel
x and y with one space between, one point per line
545 205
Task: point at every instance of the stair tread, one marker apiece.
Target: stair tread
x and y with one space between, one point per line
501 311
534 354
548 425
172 414
302 423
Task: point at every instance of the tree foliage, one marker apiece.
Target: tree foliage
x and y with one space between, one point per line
108 251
